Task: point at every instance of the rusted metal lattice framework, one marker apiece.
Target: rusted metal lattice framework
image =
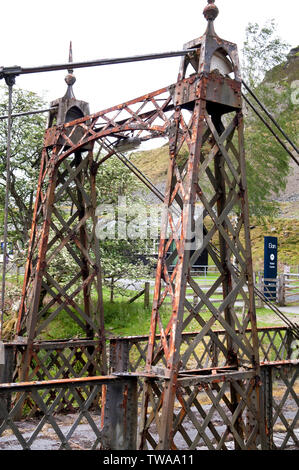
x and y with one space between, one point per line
201 114
68 173
208 95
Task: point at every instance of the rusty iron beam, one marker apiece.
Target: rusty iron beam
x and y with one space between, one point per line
35 384
16 70
27 113
186 333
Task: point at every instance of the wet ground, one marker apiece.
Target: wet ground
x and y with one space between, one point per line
40 434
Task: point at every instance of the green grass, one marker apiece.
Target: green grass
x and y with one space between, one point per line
62 327
121 319
124 319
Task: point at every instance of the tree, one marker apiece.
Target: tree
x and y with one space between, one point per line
26 144
122 228
114 180
267 161
262 50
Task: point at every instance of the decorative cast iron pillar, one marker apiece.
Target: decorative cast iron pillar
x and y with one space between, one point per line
208 122
63 260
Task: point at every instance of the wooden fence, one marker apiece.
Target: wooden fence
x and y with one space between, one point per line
284 290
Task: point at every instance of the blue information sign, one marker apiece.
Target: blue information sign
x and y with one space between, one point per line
270 266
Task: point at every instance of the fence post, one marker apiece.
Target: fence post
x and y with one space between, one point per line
119 355
7 354
281 289
146 294
266 376
119 430
260 287
2 360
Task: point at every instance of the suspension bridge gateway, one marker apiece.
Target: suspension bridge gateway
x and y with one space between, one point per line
209 388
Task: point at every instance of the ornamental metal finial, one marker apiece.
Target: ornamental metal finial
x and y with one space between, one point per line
70 78
211 11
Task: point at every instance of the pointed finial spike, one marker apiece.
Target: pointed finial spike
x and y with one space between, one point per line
71 52
70 57
211 11
70 78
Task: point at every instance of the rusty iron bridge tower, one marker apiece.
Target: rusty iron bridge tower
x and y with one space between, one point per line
201 114
208 120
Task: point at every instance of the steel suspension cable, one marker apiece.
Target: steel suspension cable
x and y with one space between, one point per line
17 70
10 83
270 116
28 113
271 130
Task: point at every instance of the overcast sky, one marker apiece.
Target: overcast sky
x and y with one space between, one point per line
35 32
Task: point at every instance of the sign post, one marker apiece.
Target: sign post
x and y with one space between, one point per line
270 267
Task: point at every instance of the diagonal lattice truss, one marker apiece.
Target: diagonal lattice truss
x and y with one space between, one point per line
64 203
206 176
64 220
214 182
204 415
64 217
46 401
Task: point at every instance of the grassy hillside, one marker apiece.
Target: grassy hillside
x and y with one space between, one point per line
286 226
154 164
287 232
287 71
